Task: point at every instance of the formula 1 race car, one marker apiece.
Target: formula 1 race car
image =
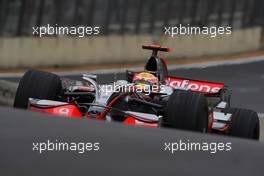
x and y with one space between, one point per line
148 98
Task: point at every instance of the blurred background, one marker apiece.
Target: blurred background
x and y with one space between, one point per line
124 26
128 16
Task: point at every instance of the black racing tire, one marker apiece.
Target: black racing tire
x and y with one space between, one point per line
244 123
37 84
187 110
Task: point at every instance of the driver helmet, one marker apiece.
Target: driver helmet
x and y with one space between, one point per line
145 80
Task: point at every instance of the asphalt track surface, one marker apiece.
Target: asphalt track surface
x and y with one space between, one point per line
124 150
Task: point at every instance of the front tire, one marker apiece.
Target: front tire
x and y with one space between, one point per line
37 84
187 110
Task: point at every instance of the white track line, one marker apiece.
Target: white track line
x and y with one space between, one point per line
172 67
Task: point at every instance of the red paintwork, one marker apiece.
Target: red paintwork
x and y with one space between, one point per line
67 110
86 89
157 47
132 121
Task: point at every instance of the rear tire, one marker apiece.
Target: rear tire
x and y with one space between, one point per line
244 123
37 84
187 110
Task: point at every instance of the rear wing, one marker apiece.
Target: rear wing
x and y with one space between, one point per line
155 49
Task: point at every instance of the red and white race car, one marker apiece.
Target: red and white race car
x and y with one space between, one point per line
148 98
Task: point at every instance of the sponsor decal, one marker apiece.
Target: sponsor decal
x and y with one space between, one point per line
197 86
64 111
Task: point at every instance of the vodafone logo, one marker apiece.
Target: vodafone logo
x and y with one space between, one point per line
195 85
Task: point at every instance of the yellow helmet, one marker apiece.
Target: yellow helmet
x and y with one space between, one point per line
145 79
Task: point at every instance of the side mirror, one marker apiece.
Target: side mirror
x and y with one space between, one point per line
91 76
